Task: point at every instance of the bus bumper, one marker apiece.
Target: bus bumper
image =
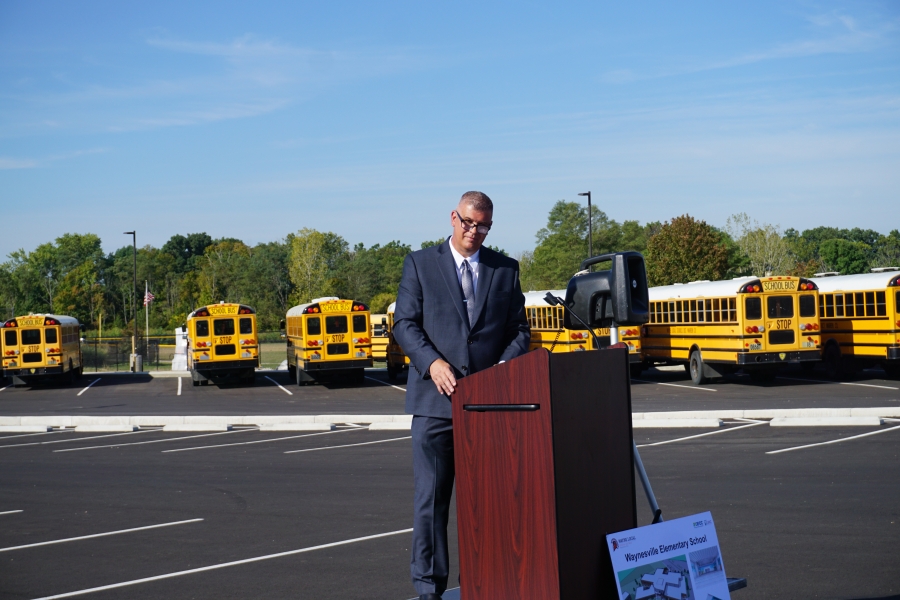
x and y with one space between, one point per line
24 376
225 369
335 365
797 356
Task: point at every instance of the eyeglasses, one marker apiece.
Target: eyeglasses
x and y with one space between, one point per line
468 224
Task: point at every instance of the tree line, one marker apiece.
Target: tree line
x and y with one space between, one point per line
73 276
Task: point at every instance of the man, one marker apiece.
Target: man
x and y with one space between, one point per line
459 310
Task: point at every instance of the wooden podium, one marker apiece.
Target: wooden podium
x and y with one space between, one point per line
544 471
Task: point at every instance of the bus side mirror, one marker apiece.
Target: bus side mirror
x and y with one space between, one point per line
615 296
281 324
82 327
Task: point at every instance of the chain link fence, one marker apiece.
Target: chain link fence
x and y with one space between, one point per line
157 352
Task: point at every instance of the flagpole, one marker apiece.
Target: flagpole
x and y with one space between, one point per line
146 321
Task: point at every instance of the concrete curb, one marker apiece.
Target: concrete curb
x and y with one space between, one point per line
662 423
197 427
694 418
391 426
105 428
298 427
825 422
25 428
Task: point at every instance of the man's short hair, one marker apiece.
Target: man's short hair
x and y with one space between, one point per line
477 201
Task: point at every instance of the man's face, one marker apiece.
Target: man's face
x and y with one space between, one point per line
465 220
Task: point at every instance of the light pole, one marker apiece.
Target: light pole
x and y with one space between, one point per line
590 226
133 235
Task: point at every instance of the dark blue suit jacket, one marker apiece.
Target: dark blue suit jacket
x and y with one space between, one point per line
430 321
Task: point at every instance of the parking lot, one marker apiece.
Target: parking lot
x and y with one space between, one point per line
801 511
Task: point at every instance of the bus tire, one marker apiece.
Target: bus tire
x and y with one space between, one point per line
892 370
392 371
636 369
292 372
695 368
195 382
204 382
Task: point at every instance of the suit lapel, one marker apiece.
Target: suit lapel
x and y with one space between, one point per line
485 275
448 270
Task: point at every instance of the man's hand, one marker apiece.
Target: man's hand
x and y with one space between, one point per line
442 375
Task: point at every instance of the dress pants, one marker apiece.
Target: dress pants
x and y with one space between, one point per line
434 470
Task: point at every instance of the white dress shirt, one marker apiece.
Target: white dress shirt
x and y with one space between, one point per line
473 263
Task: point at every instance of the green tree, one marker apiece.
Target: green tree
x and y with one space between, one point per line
763 246
311 252
684 250
844 256
561 246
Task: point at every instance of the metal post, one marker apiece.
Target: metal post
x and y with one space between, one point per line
645 481
590 226
613 334
133 361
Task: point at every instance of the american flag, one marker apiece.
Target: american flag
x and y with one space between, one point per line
148 298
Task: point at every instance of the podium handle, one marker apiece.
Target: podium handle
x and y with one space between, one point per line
501 407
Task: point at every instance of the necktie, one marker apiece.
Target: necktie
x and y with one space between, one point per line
468 288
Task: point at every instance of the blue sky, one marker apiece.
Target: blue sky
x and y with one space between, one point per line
253 120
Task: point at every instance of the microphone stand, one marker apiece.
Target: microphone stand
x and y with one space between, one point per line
638 463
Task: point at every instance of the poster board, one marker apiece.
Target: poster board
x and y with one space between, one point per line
673 559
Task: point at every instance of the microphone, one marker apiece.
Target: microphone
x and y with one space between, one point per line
557 301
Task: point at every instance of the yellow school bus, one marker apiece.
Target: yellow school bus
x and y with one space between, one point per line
328 336
379 336
860 316
41 347
397 361
714 328
548 331
222 343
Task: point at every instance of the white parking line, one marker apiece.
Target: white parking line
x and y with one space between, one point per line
690 387
96 535
690 437
9 512
838 441
224 565
409 437
883 387
396 387
9 437
174 439
290 437
89 386
3 388
179 387
287 391
93 437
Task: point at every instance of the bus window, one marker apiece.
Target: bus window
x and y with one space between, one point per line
336 324
838 305
50 336
223 326
808 306
31 337
314 326
781 307
880 307
11 339
202 328
897 302
246 325
753 308
359 324
860 307
848 305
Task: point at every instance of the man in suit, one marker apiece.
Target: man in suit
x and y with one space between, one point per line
459 310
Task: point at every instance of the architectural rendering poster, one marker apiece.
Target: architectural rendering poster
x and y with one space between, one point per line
673 559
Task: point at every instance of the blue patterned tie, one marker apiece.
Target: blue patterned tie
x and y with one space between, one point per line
468 288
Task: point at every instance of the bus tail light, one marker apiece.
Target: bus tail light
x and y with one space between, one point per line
51 322
313 343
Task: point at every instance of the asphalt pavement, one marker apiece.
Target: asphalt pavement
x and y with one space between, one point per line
801 512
